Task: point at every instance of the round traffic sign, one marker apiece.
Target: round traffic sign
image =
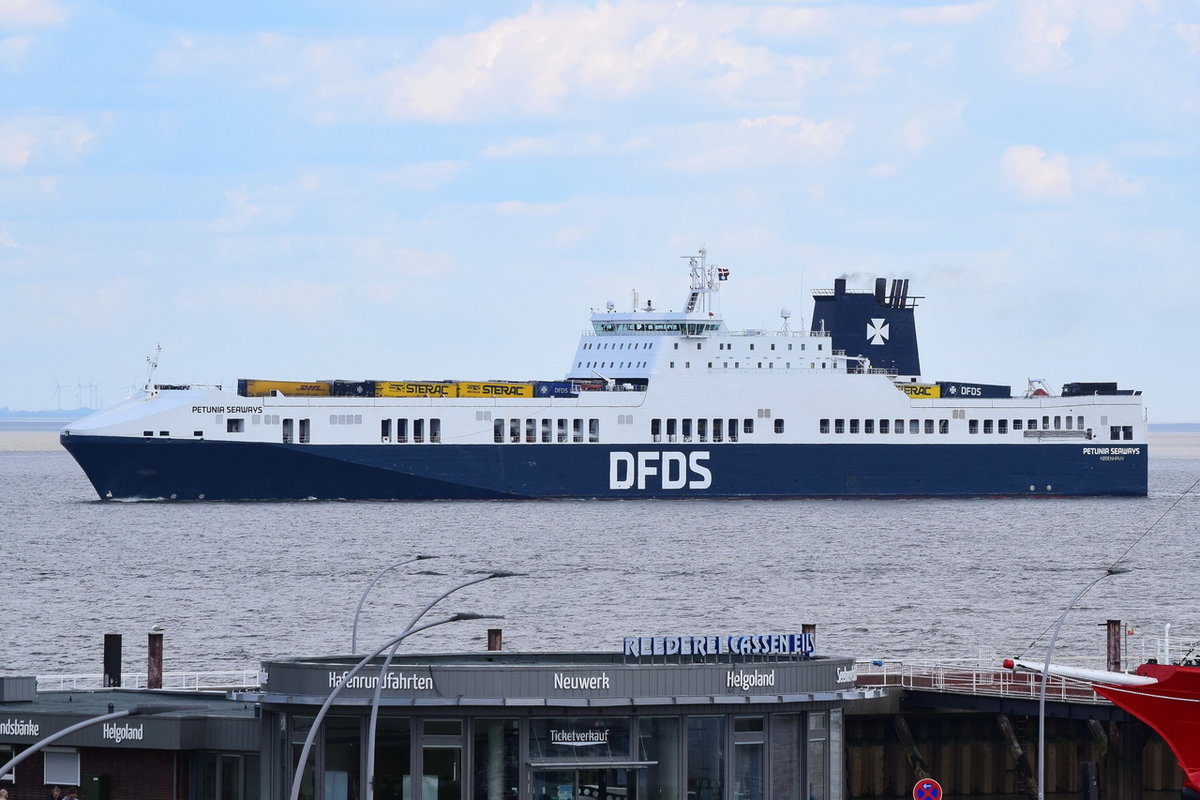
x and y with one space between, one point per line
927 789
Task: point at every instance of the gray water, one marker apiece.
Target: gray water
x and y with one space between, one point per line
915 580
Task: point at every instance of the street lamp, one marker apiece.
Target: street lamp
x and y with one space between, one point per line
387 662
316 723
143 710
1041 780
362 599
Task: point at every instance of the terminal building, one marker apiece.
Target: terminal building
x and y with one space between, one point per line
667 718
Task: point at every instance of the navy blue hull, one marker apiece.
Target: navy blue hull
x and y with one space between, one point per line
121 467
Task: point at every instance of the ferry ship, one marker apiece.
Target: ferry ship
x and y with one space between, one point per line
655 404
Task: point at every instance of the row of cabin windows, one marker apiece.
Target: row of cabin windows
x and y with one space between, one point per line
417 431
546 430
915 426
1060 423
738 365
729 346
619 345
719 430
611 364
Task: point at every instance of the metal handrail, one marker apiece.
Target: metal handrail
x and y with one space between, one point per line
194 681
974 680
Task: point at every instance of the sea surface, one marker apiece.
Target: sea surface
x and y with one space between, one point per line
910 580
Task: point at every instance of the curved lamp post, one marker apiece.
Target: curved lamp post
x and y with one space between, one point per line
363 598
387 662
143 710
316 723
1041 779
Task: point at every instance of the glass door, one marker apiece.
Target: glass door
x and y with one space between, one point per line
585 784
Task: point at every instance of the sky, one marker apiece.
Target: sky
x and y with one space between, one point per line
417 189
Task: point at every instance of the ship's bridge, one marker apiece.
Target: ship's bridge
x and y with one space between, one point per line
662 325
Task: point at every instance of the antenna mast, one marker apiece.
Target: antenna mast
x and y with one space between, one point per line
152 362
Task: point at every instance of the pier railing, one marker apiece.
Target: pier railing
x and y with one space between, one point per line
188 681
963 678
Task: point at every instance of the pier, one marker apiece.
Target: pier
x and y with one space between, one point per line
974 729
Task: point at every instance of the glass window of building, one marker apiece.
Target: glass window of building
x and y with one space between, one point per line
706 758
497 758
658 742
393 759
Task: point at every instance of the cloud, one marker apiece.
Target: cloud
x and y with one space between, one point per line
545 61
32 13
572 144
930 125
764 141
25 139
1189 33
1101 176
14 50
1044 30
427 176
1036 175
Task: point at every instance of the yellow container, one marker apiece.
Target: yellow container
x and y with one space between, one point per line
923 391
496 389
415 389
256 388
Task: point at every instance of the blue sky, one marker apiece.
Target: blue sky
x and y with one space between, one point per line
369 189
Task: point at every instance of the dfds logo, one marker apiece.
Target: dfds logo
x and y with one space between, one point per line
666 470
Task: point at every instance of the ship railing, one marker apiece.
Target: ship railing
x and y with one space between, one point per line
973 679
189 681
